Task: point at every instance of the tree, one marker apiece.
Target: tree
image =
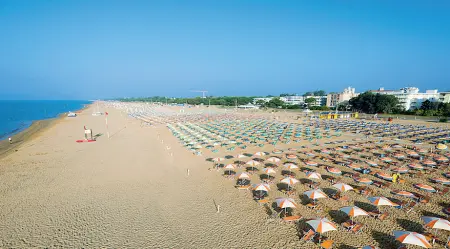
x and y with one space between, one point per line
375 103
261 103
309 101
275 103
319 93
307 94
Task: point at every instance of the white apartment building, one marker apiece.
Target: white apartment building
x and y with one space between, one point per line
335 98
297 100
410 97
444 97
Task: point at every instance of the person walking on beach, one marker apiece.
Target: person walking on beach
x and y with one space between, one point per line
10 140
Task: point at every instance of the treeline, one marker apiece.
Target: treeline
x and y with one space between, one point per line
369 102
224 101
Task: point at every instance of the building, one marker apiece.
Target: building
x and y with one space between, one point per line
410 97
444 97
248 106
335 98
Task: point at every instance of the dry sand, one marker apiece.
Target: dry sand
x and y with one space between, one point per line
128 191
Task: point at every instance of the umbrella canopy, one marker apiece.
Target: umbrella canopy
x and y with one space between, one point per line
447 174
425 187
412 238
403 193
322 225
384 176
285 203
354 166
269 171
364 180
370 247
401 170
371 163
230 166
415 166
241 156
290 166
333 170
441 180
313 175
261 187
429 163
253 163
259 153
311 163
354 211
315 194
218 159
441 147
291 156
273 159
441 159
243 175
342 187
289 180
436 223
381 201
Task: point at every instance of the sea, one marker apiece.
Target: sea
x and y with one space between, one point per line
18 115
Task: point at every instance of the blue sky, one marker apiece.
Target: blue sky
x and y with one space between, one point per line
86 49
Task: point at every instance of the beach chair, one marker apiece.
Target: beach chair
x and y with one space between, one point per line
327 244
308 236
411 206
383 216
357 228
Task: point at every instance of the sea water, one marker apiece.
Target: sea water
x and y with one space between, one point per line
17 115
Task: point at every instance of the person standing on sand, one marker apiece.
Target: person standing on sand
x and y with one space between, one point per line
10 140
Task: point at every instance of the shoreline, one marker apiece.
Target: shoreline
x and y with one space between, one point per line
34 130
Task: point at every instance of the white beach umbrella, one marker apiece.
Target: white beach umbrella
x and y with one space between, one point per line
412 238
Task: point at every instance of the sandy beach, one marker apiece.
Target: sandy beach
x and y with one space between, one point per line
126 191
133 190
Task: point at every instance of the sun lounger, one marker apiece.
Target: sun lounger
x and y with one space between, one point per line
262 201
383 216
309 235
292 218
327 244
411 206
357 228
244 187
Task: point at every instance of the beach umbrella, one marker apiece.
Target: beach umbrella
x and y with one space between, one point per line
269 171
229 167
276 151
354 211
261 187
243 175
436 223
313 175
291 156
322 225
400 170
425 187
429 163
218 159
415 166
441 159
381 201
315 194
253 163
311 163
441 147
384 176
289 181
354 166
440 180
371 163
363 180
333 170
259 153
342 187
273 159
412 154
370 247
290 166
241 156
403 193
412 238
386 159
285 203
